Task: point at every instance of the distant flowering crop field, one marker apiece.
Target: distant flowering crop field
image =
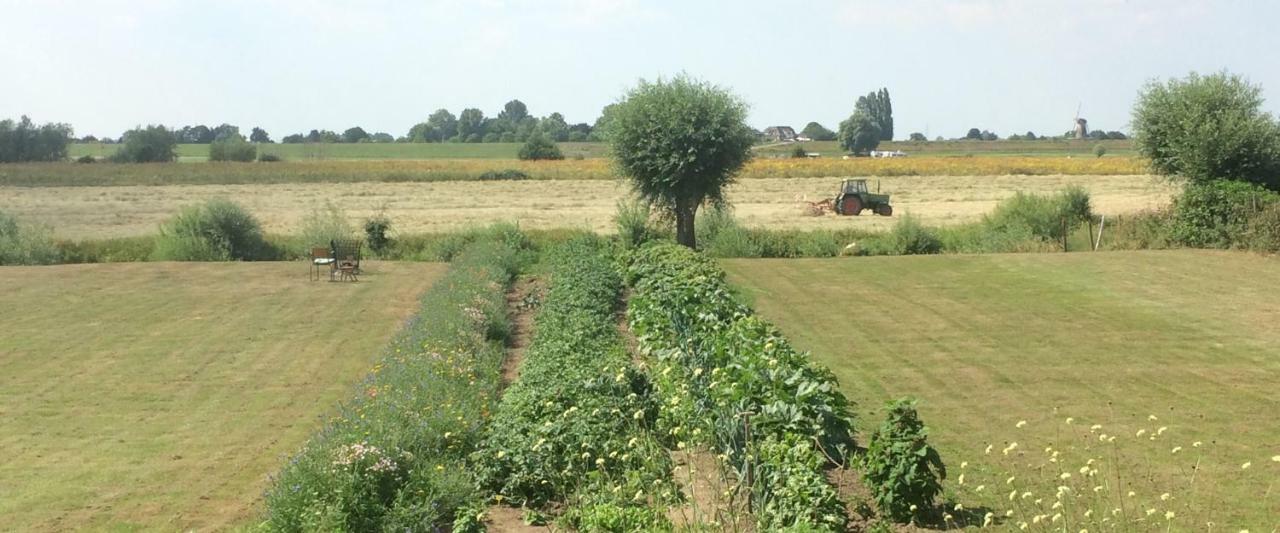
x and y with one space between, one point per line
431 170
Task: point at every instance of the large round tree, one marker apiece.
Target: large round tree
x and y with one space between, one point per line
680 142
1206 128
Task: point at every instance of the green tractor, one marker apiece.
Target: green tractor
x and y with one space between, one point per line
853 197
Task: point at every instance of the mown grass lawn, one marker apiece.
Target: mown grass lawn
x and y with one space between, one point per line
1191 338
162 395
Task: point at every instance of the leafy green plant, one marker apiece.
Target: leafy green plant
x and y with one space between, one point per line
1216 214
217 230
637 223
377 232
908 237
792 490
232 148
539 147
24 243
903 471
574 427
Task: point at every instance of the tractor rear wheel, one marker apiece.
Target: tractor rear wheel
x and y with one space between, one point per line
885 210
851 205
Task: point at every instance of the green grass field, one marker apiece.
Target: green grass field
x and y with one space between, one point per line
162 395
1038 148
319 152
1112 338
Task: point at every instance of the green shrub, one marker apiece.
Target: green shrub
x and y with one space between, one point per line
903 471
1264 230
324 224
217 230
1216 214
720 235
1099 150
509 174
114 250
908 237
232 148
269 158
539 147
24 243
377 233
637 223
86 159
153 144
1041 216
614 517
799 152
1143 230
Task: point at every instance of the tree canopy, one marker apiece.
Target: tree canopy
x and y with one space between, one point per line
818 132
24 141
680 142
859 133
879 109
1206 128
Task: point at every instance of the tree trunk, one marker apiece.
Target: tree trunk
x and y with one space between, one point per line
685 235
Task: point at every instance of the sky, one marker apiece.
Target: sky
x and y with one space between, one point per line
293 65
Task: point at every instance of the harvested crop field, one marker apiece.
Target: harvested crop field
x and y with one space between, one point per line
99 212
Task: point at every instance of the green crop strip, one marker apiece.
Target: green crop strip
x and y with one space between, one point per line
575 429
718 369
394 456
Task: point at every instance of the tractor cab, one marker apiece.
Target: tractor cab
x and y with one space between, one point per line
854 196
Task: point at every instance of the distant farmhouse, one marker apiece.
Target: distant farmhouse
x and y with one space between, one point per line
781 134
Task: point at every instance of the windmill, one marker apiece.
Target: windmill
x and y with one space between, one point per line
1081 126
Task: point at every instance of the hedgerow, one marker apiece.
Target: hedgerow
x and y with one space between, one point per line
394 457
575 428
713 362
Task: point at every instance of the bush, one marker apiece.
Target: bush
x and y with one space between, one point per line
1099 150
269 158
904 472
116 250
799 152
1207 128
23 243
720 235
153 144
908 237
24 141
218 230
1264 230
86 159
539 147
324 224
1041 216
377 232
498 175
1216 214
232 148
637 224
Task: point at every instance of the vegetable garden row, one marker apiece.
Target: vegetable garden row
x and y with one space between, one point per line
586 436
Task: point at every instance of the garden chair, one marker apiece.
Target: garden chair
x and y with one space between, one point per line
321 258
346 256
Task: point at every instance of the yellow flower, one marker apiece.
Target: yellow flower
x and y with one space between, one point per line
1197 444
501 454
1152 418
1177 449
1021 424
1010 480
1246 465
1168 515
1095 427
988 450
980 487
963 464
1070 420
960 480
1275 458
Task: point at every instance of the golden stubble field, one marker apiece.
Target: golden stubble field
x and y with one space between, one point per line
98 212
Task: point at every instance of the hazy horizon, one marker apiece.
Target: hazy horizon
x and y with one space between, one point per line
295 65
